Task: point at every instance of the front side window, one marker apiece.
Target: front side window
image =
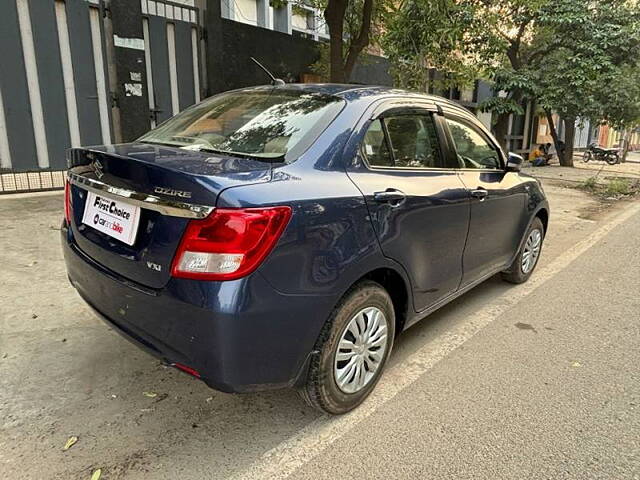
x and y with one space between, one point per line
473 150
267 124
411 142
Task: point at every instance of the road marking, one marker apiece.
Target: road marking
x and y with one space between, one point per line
282 460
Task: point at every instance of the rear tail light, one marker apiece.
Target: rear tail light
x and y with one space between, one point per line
229 243
67 202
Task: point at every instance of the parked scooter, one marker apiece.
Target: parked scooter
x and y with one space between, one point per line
596 152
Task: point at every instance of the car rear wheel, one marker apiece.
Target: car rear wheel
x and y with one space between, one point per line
527 258
353 347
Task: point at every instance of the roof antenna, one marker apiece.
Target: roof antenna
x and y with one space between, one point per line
274 81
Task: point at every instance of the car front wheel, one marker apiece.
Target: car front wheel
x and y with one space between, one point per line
353 348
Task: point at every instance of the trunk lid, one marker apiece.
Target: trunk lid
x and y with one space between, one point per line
170 186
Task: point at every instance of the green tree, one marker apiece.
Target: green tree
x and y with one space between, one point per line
559 53
591 50
622 102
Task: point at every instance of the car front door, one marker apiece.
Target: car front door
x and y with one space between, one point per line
418 205
498 199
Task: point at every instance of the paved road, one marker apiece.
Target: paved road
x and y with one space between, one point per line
549 389
536 381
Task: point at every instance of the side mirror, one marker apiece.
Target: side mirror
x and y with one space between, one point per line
514 162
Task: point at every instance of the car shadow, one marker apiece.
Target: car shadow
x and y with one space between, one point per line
193 422
137 418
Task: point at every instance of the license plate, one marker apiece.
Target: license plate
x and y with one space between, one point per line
116 218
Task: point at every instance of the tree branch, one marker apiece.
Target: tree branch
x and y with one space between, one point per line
544 51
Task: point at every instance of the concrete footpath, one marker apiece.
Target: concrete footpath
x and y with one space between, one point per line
581 171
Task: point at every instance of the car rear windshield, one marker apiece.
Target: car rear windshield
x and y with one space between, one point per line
267 124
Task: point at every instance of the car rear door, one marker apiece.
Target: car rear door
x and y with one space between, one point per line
417 203
498 197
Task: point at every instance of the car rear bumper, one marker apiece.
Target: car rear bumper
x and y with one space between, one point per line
239 335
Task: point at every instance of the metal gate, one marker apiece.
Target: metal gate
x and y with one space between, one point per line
171 40
57 85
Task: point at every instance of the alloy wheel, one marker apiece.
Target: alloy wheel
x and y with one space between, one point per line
361 350
531 250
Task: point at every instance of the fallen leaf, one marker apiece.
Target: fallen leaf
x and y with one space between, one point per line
150 394
70 443
96 474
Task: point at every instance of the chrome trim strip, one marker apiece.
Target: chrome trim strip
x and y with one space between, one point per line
143 200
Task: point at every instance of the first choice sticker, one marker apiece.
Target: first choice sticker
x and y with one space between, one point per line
115 218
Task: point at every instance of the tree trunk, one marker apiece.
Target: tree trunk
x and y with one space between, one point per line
334 15
556 140
569 140
626 140
340 68
501 128
361 41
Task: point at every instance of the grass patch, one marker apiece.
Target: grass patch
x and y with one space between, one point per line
613 189
619 187
590 184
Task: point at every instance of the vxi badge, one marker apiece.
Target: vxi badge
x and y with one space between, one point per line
172 192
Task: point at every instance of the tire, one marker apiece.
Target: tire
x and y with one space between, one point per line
611 158
322 389
517 273
586 156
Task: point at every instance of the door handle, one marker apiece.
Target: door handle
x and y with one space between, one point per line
480 193
391 196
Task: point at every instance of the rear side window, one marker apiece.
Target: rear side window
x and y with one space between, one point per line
473 149
375 146
414 141
403 141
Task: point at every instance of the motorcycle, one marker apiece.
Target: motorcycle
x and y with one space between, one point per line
596 152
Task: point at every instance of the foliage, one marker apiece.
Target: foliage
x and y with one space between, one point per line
590 183
593 47
620 102
618 187
612 189
502 105
424 34
278 3
565 54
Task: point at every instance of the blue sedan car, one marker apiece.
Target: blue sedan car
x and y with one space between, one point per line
283 236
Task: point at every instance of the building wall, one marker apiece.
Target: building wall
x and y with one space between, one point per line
232 43
89 72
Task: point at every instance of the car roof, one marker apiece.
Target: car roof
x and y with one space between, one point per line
353 91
